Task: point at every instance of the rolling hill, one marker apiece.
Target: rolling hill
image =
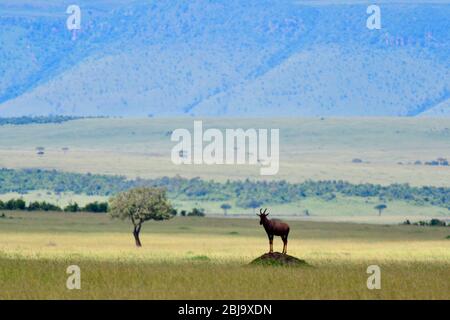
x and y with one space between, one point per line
224 58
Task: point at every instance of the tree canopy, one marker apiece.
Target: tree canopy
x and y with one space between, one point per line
139 205
380 208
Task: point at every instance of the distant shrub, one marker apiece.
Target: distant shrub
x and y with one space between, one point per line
15 204
437 223
72 207
431 223
196 213
96 207
42 206
438 162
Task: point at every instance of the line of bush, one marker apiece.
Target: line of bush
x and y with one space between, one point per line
246 193
37 120
194 213
21 205
431 223
95 207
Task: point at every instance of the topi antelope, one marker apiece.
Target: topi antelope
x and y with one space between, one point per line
274 228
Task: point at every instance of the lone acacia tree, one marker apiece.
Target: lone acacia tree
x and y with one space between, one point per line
139 205
225 207
380 208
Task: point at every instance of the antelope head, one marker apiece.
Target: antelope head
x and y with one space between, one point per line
262 215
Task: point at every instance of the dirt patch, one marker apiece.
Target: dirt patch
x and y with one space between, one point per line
279 259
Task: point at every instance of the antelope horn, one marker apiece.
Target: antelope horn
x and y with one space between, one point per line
260 212
265 211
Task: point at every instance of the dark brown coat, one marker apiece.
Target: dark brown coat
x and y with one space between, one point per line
274 228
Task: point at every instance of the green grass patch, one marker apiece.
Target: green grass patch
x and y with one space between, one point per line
200 258
204 262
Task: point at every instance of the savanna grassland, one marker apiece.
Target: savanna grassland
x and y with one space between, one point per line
192 258
314 148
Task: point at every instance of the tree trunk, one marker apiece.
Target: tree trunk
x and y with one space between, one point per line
136 231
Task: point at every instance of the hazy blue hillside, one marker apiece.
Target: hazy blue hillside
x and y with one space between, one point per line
217 57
